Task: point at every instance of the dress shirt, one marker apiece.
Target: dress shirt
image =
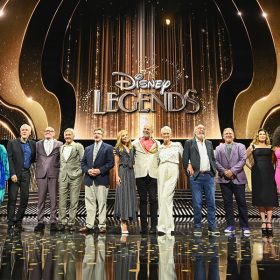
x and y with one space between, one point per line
67 151
26 155
96 149
204 159
48 146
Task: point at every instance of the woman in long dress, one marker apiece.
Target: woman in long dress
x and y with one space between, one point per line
276 149
264 192
125 202
168 173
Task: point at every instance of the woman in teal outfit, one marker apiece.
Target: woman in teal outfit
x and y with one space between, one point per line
4 171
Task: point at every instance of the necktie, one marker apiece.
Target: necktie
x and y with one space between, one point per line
229 148
95 151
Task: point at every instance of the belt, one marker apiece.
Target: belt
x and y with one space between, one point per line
205 172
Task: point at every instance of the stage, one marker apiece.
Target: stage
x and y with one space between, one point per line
70 255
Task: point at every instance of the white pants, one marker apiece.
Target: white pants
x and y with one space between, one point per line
92 194
167 179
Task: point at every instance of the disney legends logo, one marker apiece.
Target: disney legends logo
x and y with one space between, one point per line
144 102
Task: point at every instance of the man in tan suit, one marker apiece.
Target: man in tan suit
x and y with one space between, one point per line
146 173
47 170
70 178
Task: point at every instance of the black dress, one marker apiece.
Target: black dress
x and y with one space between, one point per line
264 191
125 202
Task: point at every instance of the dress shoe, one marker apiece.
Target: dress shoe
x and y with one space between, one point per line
71 228
39 227
53 227
60 227
161 233
18 227
144 230
85 230
10 229
153 230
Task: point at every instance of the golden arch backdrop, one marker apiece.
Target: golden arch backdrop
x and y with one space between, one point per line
120 64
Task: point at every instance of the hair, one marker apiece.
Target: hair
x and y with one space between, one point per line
25 125
70 130
276 137
228 128
256 138
166 128
99 128
119 143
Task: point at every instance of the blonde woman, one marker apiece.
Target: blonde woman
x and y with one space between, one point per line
264 191
125 202
169 157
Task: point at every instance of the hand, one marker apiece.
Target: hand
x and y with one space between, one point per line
90 172
14 178
96 171
229 174
190 170
118 180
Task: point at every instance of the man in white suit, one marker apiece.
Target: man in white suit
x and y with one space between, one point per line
146 172
70 179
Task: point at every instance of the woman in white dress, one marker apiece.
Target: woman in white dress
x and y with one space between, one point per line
168 173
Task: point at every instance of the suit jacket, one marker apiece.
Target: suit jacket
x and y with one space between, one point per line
235 163
145 163
16 157
72 166
47 166
104 161
191 154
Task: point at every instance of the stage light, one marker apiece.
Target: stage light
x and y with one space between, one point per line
29 99
167 21
2 13
239 13
264 14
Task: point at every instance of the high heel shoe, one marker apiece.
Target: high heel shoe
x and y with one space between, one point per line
269 230
264 230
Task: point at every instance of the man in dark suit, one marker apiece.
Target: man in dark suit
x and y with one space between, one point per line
200 166
97 161
21 153
47 171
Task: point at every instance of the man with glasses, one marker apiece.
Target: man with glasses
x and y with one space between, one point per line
96 164
199 163
47 171
21 153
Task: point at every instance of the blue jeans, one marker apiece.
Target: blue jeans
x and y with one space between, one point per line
204 183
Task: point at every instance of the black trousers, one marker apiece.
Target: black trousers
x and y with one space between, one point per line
147 186
22 184
239 192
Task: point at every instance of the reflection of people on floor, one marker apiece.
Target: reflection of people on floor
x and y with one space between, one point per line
125 259
206 255
245 265
148 258
65 257
12 260
166 257
94 258
269 266
42 258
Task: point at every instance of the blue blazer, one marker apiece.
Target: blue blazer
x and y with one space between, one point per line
104 161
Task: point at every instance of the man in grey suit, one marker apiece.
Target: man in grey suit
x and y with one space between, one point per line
230 159
199 163
70 178
47 170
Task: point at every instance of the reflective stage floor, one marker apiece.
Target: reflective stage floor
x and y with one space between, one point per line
112 256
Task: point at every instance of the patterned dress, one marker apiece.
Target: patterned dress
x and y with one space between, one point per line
4 171
125 202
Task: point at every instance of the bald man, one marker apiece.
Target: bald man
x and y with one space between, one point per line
47 171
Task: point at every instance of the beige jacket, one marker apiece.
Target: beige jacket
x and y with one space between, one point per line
71 167
145 163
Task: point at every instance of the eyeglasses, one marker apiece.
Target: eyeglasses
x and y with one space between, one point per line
48 130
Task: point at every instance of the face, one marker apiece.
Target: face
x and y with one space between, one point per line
228 136
262 136
200 132
166 135
25 132
147 131
49 133
125 138
69 137
97 135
